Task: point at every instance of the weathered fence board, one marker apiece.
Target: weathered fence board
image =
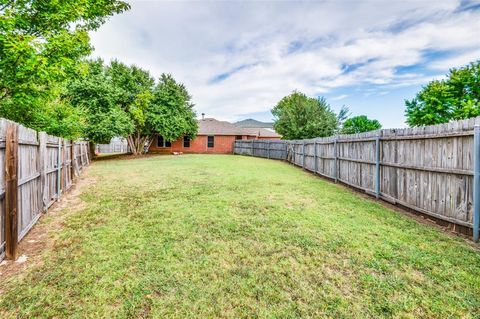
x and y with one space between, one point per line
116 145
36 169
429 169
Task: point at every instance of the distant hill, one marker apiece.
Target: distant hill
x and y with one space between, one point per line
251 123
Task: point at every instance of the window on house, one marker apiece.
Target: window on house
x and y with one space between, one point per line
186 141
238 137
163 143
211 141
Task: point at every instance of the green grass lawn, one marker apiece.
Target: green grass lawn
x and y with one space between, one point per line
204 236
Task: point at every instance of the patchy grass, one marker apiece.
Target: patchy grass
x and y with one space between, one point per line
200 236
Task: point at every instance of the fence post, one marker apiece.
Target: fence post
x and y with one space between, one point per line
377 166
80 147
59 168
253 149
42 139
335 155
72 168
87 154
11 189
268 145
315 157
476 183
303 154
63 184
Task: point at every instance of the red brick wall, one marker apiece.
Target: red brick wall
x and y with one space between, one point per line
223 145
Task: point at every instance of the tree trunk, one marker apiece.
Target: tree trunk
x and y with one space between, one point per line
137 143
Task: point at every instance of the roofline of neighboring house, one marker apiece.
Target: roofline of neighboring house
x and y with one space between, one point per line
230 134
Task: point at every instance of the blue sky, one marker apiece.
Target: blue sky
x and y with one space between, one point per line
238 59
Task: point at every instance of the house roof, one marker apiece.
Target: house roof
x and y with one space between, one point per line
251 123
261 132
211 126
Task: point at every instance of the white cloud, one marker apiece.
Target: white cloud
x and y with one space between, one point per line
456 60
273 48
338 98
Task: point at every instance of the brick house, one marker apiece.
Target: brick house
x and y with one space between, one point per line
213 137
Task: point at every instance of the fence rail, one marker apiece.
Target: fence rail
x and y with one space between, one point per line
36 169
428 169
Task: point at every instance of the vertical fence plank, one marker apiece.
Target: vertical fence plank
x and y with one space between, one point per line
11 189
42 158
476 184
315 157
377 166
303 154
268 149
72 159
335 161
59 169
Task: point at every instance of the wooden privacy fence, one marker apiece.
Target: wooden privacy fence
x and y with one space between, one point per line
36 169
116 145
434 170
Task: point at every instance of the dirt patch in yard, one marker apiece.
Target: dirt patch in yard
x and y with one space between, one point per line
42 236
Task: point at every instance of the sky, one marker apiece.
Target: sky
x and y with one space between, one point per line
238 59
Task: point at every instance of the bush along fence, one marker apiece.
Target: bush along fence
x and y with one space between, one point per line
434 170
36 170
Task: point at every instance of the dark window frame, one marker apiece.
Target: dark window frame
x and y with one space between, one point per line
163 143
239 137
186 142
211 143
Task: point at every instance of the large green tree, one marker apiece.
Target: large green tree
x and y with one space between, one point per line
95 95
134 96
454 98
360 124
121 100
171 114
298 116
41 45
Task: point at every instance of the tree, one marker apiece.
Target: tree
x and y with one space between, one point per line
457 97
360 124
134 95
95 95
41 44
297 116
121 100
171 114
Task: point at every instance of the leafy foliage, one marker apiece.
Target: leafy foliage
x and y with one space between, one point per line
172 115
455 98
360 124
96 95
41 45
298 116
122 100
